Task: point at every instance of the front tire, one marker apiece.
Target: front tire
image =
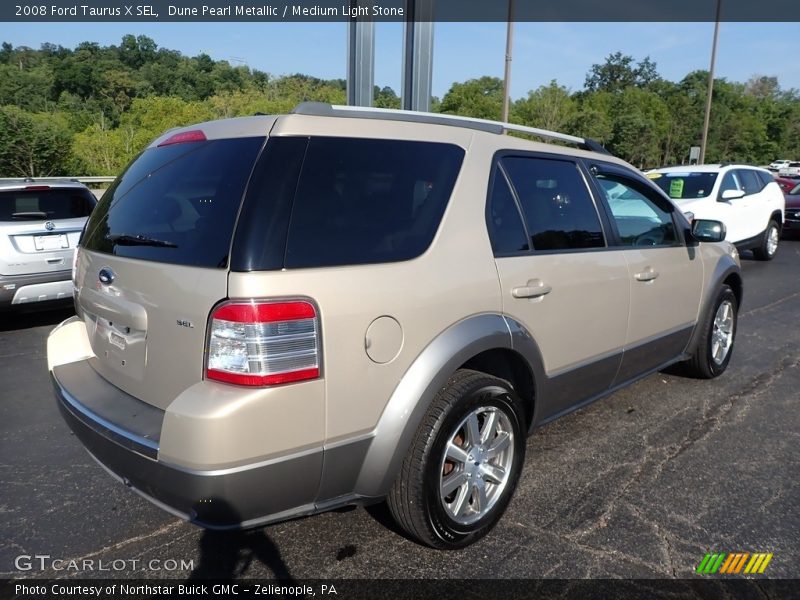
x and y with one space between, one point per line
769 245
464 463
715 345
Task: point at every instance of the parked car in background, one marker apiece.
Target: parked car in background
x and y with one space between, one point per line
40 224
777 164
274 319
791 224
745 198
791 169
786 184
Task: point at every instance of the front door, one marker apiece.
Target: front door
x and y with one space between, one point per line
559 278
666 275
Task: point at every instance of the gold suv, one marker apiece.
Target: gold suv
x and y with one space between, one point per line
279 315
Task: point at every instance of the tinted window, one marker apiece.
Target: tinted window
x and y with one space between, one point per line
640 218
176 204
682 186
765 176
557 206
362 201
730 182
506 230
45 204
751 183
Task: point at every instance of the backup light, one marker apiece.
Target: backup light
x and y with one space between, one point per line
264 343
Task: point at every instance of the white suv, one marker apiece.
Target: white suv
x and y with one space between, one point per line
747 199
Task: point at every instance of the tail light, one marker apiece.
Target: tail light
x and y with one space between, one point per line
264 343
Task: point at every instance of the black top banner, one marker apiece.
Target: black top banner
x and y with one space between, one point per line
396 10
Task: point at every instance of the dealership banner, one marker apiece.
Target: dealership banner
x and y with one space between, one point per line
396 10
394 589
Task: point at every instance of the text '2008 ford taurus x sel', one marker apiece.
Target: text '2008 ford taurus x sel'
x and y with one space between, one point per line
279 315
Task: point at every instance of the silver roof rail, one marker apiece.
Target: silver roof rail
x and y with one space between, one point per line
322 109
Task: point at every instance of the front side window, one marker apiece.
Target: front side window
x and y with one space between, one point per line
556 203
639 218
751 183
730 182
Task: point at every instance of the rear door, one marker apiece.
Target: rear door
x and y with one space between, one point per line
154 261
755 212
40 227
666 275
559 278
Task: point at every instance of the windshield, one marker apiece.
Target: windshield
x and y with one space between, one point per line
685 185
45 204
795 190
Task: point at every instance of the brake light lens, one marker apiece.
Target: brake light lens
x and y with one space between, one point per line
195 135
264 343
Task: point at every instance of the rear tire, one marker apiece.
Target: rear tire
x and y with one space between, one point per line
769 245
464 463
715 344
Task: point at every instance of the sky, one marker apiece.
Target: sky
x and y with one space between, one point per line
542 51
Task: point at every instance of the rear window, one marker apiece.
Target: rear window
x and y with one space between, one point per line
45 204
344 201
685 186
176 204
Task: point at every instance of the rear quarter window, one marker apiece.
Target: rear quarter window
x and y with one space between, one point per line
353 201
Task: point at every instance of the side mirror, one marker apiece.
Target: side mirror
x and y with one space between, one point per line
689 216
731 195
705 230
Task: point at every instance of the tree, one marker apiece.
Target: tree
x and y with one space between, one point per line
33 144
619 71
481 98
549 107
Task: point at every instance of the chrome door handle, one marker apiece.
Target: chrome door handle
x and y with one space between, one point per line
647 275
535 288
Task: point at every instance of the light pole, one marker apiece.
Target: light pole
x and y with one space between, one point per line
509 44
707 118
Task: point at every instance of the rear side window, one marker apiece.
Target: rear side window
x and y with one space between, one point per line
506 231
556 203
176 204
45 204
361 201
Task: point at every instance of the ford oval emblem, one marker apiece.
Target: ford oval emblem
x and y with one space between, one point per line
106 275
49 225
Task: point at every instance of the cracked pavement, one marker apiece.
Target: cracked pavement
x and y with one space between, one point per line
639 485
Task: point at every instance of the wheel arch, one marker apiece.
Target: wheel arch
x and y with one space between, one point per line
479 342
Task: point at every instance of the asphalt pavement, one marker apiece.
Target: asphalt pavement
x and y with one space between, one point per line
639 485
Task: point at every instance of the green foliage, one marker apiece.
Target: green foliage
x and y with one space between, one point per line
90 109
33 144
481 98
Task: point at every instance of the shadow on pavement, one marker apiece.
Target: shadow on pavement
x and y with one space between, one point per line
16 319
229 555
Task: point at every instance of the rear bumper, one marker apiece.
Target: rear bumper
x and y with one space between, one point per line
123 435
38 287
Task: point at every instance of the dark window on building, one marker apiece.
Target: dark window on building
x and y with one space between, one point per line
556 203
506 230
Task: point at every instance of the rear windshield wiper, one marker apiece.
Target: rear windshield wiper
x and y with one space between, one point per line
125 239
29 215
